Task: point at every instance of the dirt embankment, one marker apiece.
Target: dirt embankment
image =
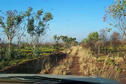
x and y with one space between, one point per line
38 65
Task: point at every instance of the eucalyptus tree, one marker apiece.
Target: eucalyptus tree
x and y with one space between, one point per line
64 39
71 41
116 16
56 39
11 22
37 23
68 41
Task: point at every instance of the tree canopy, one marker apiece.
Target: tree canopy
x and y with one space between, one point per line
116 15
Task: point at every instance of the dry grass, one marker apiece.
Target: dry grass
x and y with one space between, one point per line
87 62
108 71
89 66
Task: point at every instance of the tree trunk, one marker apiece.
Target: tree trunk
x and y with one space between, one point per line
99 50
9 46
35 46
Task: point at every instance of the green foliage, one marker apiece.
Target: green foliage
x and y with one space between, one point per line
110 61
48 17
13 62
93 36
91 41
3 63
22 55
10 22
28 12
37 22
68 41
117 8
36 26
56 39
36 52
118 69
30 26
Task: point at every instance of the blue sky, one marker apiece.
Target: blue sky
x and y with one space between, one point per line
76 18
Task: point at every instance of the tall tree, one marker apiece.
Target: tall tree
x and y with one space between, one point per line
37 25
11 22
